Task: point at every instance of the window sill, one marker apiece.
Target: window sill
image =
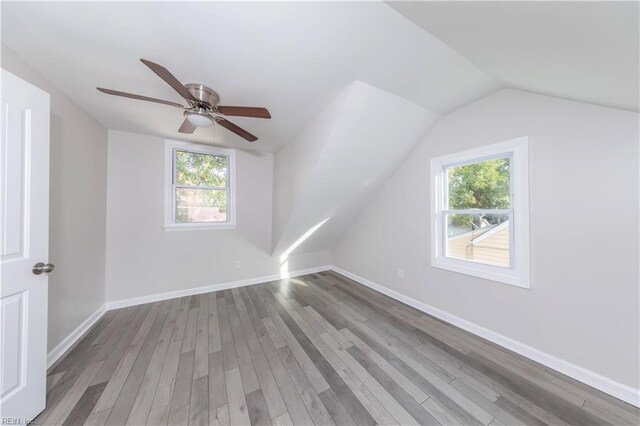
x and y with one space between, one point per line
199 226
486 272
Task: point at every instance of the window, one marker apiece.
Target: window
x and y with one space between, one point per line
199 186
480 212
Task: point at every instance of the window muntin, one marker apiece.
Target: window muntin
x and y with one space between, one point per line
480 212
200 187
199 190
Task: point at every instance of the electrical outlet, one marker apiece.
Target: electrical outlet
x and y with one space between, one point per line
237 264
401 273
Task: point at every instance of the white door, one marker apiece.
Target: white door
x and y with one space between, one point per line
24 242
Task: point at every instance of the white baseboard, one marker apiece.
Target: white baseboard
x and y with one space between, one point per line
611 387
73 337
69 341
209 288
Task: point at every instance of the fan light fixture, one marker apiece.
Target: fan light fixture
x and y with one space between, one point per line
199 119
203 107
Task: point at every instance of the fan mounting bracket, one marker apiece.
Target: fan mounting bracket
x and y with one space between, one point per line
205 96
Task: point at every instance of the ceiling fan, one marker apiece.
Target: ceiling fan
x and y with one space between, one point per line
203 109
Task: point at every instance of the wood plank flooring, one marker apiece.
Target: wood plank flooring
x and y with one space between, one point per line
318 349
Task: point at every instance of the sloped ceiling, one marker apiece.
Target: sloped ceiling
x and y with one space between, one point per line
357 147
291 57
586 51
352 86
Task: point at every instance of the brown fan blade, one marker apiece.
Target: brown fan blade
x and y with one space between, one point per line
164 74
238 111
140 97
235 129
187 127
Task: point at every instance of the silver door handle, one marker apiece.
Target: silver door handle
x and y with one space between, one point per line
40 268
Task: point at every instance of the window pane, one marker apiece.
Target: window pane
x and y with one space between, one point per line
484 185
196 169
201 205
480 237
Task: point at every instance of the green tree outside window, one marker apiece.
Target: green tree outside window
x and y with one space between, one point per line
483 185
195 171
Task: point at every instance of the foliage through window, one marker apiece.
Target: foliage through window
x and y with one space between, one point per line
479 201
200 185
480 222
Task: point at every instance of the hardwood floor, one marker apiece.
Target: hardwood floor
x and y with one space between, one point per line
318 349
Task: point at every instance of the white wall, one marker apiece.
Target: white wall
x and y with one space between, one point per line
294 162
78 180
340 161
583 303
144 259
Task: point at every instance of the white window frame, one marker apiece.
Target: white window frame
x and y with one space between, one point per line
518 274
170 148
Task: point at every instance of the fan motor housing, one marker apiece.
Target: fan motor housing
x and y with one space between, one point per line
203 94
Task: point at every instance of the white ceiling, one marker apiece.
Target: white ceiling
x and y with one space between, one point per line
350 162
292 57
580 50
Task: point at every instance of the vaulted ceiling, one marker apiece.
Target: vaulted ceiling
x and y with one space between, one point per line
580 50
351 86
291 57
338 162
